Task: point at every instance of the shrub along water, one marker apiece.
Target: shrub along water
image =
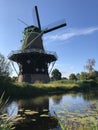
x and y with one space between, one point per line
16 90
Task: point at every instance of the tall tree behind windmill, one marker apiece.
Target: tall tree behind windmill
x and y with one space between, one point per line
90 64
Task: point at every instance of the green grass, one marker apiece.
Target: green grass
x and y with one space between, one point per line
14 89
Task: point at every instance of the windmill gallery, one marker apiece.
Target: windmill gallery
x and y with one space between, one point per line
32 59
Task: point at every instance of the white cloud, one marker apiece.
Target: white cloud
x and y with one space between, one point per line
71 33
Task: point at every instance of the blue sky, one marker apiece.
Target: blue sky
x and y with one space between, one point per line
74 44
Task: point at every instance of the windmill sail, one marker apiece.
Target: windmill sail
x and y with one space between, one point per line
36 18
55 25
33 60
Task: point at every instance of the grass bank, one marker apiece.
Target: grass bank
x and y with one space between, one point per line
16 90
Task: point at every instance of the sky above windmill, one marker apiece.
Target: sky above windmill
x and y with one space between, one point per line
74 44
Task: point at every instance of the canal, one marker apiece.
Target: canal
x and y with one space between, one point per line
66 108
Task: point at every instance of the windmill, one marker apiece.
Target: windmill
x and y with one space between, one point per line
32 59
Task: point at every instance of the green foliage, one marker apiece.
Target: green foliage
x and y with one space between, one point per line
88 76
72 77
14 79
56 75
4 67
1 101
63 81
78 76
83 76
23 90
93 75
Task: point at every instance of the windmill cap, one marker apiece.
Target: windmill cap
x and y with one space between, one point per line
31 28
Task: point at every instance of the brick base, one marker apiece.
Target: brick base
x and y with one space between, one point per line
32 78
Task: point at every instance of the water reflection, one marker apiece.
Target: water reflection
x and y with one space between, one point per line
90 96
51 103
36 104
11 108
71 102
48 102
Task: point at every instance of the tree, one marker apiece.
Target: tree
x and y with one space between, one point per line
78 76
93 75
72 77
56 74
4 66
90 64
83 76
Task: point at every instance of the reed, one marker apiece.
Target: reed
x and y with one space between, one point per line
5 122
